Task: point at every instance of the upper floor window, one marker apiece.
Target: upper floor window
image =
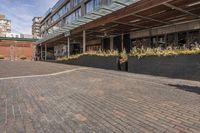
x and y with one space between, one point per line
43 27
72 17
108 2
55 17
89 6
75 2
92 5
61 12
59 3
67 7
64 9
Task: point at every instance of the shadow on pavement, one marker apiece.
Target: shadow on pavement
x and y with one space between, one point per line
194 89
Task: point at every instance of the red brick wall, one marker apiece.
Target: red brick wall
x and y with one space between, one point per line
16 49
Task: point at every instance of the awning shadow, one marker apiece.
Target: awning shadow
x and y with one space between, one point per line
194 89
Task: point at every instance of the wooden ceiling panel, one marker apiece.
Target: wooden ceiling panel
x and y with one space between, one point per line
169 14
180 19
129 18
183 3
196 11
139 22
151 24
195 7
154 10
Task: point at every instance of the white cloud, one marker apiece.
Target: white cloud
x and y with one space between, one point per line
21 12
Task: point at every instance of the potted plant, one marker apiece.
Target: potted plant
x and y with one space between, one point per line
123 61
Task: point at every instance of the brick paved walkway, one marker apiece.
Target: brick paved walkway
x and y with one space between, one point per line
94 100
24 68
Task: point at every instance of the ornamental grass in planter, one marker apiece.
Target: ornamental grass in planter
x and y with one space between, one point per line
169 51
99 53
181 63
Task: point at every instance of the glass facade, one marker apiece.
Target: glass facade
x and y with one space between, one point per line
75 2
61 12
59 3
72 17
92 5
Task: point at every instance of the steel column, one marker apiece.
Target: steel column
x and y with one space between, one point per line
45 52
41 55
68 47
111 43
84 41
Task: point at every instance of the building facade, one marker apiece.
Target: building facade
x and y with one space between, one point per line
5 26
120 24
36 27
17 48
18 35
67 11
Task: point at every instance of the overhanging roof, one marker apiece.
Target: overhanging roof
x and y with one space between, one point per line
98 13
145 14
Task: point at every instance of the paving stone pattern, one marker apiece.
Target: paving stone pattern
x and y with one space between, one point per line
95 100
24 68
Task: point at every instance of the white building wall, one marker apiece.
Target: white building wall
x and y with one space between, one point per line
14 35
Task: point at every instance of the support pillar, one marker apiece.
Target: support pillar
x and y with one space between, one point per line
102 43
165 40
84 42
187 39
122 42
68 47
45 52
150 39
199 37
175 39
157 41
41 55
111 43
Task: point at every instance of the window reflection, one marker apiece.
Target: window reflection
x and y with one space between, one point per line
72 17
92 5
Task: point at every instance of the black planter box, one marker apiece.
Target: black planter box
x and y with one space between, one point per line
182 66
109 62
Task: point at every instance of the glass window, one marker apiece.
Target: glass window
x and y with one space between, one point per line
59 3
77 13
92 5
72 17
109 2
75 2
55 17
96 4
68 7
89 6
61 12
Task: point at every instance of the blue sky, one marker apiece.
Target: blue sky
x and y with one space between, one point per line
21 12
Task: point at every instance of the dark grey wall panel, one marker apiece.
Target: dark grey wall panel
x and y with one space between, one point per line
183 66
